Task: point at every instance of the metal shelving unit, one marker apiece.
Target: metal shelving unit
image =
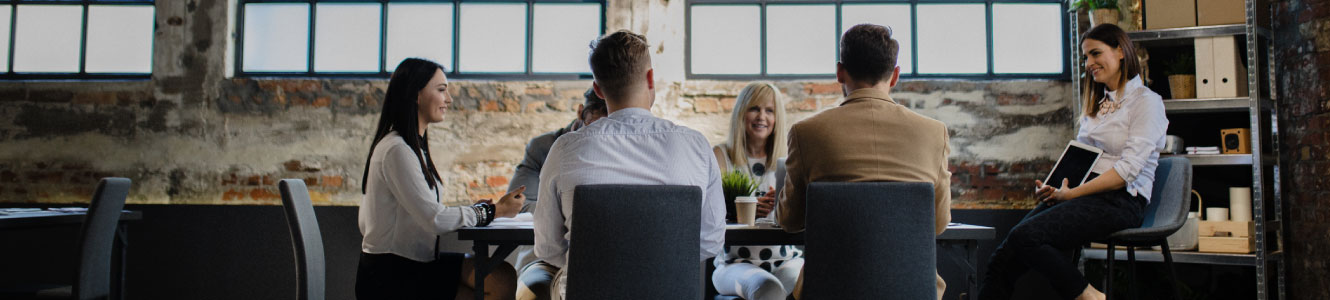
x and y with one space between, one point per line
1260 105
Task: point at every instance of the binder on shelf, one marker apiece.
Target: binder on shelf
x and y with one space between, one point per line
1205 68
1220 71
1230 70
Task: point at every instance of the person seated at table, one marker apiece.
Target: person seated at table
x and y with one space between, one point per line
630 146
757 138
536 275
1125 118
869 137
401 216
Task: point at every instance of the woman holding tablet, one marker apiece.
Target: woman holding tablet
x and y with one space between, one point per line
402 216
1126 120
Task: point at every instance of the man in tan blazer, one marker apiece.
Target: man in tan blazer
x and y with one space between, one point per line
869 137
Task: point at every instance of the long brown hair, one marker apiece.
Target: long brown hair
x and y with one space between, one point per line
1113 36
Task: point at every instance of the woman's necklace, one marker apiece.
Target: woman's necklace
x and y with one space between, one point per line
1108 106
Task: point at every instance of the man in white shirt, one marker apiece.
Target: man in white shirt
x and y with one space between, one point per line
630 146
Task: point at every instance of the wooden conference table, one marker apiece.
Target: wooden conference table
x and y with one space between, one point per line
11 219
508 235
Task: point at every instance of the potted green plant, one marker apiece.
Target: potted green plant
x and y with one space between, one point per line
734 184
1181 73
1101 11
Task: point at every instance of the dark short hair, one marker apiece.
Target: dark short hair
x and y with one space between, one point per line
617 61
868 52
594 102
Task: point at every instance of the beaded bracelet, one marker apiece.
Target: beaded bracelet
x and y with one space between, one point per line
484 213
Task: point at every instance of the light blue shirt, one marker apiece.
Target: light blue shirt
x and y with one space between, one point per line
630 146
1129 136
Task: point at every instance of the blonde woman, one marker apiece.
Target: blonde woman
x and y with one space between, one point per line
758 129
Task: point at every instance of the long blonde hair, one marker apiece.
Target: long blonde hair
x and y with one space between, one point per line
737 147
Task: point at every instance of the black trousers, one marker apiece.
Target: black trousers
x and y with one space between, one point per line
389 276
1044 238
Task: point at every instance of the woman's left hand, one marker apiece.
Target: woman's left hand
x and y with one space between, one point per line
1047 193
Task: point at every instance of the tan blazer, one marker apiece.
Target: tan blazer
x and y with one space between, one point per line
868 138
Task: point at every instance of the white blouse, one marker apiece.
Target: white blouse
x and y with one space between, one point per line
400 213
1129 136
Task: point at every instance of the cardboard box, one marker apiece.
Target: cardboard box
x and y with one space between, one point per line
1161 14
1241 245
1221 12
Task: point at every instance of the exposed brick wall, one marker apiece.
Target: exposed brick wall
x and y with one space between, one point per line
1302 59
192 135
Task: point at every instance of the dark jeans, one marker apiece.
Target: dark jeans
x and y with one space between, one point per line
1042 240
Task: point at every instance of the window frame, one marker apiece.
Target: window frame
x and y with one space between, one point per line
385 70
1065 75
9 75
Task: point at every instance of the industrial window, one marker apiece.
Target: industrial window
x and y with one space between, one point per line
471 38
71 39
749 39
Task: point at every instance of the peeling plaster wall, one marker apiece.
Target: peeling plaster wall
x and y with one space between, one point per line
193 135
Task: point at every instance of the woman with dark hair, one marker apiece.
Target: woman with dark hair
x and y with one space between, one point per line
1126 120
402 214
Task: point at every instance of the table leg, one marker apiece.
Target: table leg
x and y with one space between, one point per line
482 250
971 251
484 262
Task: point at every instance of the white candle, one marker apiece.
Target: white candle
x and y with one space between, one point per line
1216 214
1239 202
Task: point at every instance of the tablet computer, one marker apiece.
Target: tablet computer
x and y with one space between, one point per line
1074 165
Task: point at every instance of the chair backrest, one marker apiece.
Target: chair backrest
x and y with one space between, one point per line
305 237
97 239
1171 198
870 240
635 242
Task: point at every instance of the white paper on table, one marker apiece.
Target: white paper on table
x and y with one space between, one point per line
522 218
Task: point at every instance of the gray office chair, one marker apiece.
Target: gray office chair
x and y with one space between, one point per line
870 240
635 242
1170 201
96 244
98 239
305 237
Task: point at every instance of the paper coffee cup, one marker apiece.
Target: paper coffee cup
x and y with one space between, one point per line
1216 214
745 208
1239 200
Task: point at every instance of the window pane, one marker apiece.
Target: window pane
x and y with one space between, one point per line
120 39
726 39
801 39
894 16
953 39
493 38
47 38
5 15
346 37
276 37
423 30
1027 38
562 34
